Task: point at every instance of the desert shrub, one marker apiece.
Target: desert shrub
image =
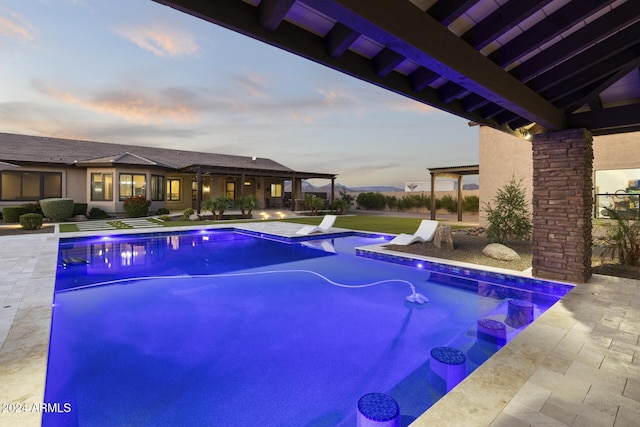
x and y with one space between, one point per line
339 206
471 204
187 213
136 206
12 213
623 239
449 203
510 218
57 209
370 200
313 203
163 211
165 217
31 221
414 201
79 209
346 197
391 202
97 213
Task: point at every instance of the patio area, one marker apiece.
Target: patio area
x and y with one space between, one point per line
576 365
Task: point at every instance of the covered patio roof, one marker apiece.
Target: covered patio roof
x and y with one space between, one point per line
520 66
456 172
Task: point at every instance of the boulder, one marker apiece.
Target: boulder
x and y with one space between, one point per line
79 218
501 252
194 217
443 238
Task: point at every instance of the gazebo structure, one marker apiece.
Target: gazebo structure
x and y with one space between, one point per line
456 172
553 72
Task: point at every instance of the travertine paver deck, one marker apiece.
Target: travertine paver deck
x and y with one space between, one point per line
577 365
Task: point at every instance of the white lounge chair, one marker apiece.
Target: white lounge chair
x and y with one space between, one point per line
325 225
424 233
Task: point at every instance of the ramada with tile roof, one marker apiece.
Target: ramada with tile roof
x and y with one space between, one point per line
104 175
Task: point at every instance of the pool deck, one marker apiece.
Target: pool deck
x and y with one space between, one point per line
577 365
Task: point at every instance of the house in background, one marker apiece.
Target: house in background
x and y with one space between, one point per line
104 175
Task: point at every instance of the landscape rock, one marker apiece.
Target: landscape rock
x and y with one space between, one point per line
79 218
443 238
500 252
194 217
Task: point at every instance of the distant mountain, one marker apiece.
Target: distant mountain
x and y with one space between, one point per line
470 187
375 188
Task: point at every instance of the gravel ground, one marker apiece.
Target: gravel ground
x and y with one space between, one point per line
468 248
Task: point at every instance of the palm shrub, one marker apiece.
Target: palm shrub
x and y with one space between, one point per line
339 206
623 239
217 205
136 206
31 221
510 218
247 204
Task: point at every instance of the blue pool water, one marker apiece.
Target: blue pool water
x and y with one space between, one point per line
227 329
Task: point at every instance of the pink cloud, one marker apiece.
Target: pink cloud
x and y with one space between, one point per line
161 40
15 27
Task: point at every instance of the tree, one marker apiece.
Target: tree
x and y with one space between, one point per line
511 217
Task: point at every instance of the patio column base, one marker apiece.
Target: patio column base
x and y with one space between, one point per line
562 205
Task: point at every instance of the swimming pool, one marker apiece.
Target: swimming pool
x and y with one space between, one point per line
226 328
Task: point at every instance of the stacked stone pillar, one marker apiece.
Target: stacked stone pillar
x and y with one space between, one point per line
562 205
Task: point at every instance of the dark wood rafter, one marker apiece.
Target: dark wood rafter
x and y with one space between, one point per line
421 78
448 11
608 120
613 69
385 61
550 27
339 39
272 12
501 21
592 33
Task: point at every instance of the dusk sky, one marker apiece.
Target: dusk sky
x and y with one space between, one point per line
140 73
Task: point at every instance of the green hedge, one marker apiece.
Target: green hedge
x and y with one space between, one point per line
31 221
57 209
80 209
12 213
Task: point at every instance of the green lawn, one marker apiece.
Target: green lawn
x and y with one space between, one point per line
379 224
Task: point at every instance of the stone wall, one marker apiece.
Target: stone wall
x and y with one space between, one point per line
562 205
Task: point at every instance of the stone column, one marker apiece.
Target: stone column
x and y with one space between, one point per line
562 205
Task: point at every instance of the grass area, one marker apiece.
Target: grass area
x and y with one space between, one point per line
379 224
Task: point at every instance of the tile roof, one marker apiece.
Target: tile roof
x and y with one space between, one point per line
37 149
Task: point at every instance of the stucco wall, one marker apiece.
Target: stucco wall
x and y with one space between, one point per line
503 156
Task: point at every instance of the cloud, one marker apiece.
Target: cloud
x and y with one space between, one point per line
15 27
135 106
253 83
410 106
161 40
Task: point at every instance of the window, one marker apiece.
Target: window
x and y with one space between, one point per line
30 185
101 186
157 187
276 190
618 190
132 185
173 190
231 190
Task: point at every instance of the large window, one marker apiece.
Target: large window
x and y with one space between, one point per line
157 187
618 190
101 187
30 185
173 190
132 185
276 190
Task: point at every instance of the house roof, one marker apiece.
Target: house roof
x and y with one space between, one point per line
520 66
44 150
